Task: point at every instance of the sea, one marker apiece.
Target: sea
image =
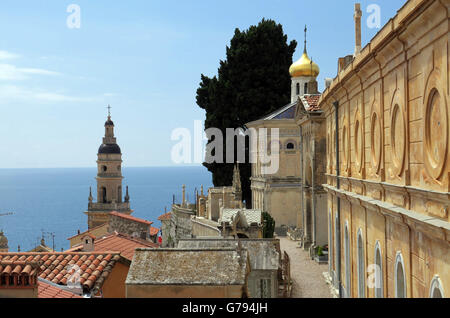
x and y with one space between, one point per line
50 203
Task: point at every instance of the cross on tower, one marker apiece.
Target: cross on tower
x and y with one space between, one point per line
306 29
109 110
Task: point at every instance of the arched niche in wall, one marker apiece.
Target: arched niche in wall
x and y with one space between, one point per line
345 144
376 137
358 138
435 149
398 134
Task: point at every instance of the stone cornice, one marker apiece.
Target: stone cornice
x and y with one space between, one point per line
437 228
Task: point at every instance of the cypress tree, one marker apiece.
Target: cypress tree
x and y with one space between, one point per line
252 81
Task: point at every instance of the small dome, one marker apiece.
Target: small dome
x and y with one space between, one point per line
109 149
304 67
109 122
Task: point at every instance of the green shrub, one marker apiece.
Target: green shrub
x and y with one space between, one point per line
320 251
268 225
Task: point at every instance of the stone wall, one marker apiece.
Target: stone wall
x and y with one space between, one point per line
263 284
180 223
204 228
129 227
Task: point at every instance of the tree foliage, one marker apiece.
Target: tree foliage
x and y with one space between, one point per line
253 81
268 225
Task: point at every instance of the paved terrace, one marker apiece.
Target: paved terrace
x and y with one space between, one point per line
308 281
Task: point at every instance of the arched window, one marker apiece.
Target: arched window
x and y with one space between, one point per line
336 247
290 146
298 89
361 266
436 290
306 88
378 272
330 245
400 279
103 194
347 261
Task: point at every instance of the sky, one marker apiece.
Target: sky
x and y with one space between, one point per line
144 58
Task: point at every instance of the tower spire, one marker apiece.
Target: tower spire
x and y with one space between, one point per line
109 111
90 195
127 196
306 29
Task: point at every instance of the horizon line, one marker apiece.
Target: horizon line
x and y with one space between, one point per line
94 167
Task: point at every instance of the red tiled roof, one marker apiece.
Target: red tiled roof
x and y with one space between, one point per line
19 266
154 231
55 267
165 217
118 242
46 290
131 218
312 101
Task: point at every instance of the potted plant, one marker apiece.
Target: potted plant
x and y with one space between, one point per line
321 255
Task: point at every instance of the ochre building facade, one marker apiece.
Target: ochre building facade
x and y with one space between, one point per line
388 165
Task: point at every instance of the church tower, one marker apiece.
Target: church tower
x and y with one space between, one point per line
109 181
237 189
304 73
3 243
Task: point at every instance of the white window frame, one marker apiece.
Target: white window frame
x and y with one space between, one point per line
336 247
330 242
436 284
379 273
361 284
399 260
348 263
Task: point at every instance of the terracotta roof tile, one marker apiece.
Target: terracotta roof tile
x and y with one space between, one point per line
131 218
47 290
122 243
55 268
165 217
311 101
153 231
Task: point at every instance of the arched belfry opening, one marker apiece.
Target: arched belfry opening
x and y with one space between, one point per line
103 193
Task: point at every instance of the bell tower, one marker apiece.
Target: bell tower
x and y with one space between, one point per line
109 180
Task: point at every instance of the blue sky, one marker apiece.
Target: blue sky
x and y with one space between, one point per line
142 57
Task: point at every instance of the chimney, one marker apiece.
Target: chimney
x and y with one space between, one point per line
88 243
183 203
312 87
201 207
357 16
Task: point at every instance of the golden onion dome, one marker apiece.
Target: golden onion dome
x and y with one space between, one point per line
304 67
